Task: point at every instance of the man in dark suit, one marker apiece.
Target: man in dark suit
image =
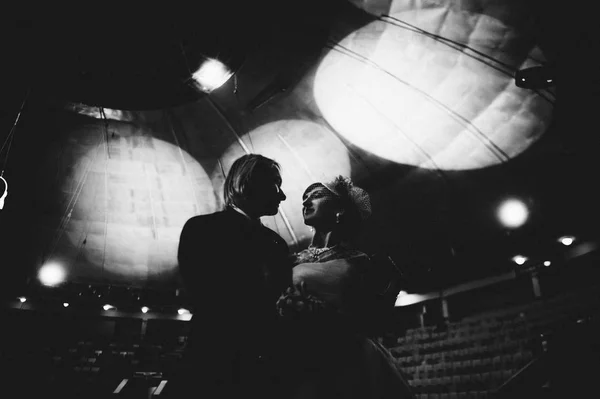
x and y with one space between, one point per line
234 269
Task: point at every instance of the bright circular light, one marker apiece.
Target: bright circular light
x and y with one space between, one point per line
107 307
547 263
51 274
145 309
519 259
567 240
513 213
22 299
66 304
211 75
154 187
398 90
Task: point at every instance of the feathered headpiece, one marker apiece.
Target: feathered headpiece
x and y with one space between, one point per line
355 196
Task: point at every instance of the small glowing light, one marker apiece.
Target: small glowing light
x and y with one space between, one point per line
547 263
51 274
512 213
107 307
66 304
22 299
211 75
566 240
183 311
409 299
144 309
519 259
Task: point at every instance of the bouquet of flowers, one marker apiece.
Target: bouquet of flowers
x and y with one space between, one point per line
296 303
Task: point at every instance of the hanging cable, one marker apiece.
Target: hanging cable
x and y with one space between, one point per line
498 152
103 116
11 134
68 212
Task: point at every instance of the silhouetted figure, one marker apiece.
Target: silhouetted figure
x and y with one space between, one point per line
234 269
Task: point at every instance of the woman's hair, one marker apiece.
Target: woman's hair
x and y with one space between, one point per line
242 173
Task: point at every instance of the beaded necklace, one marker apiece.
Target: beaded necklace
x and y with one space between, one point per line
315 252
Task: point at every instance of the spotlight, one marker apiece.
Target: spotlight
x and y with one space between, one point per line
519 259
107 307
144 309
538 77
512 213
547 263
566 240
22 299
183 311
51 274
211 75
66 304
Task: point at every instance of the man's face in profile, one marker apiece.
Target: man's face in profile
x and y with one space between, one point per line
265 194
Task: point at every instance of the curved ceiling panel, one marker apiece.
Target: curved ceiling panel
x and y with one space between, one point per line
414 99
434 88
124 196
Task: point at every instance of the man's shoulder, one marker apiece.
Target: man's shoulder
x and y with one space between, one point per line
270 232
207 219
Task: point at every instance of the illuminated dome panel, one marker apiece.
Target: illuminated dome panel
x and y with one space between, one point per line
124 204
434 88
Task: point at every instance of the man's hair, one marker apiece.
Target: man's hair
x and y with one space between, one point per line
242 172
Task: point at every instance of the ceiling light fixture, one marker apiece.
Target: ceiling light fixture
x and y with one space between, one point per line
566 240
519 259
211 75
537 77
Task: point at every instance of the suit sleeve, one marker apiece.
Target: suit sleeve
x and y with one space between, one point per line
198 246
211 269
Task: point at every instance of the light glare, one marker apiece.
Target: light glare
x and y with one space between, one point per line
519 259
567 240
211 75
51 274
513 213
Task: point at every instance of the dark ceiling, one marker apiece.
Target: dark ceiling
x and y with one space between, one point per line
142 61
138 63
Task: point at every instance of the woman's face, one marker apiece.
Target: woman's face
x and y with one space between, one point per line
319 207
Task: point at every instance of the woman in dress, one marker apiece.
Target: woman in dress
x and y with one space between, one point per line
334 356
